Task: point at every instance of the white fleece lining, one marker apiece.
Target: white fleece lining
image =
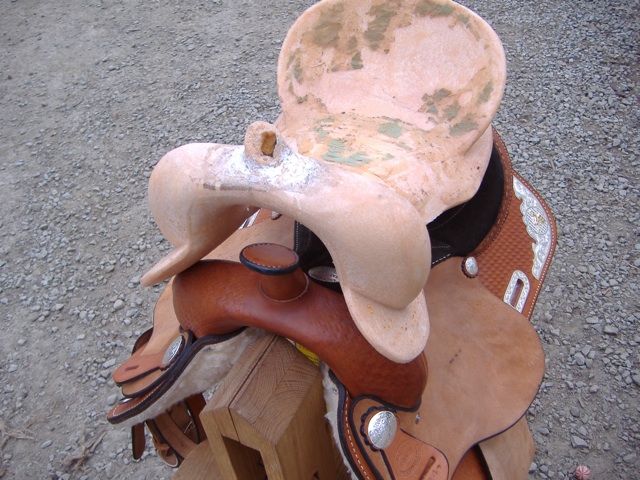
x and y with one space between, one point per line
205 371
332 398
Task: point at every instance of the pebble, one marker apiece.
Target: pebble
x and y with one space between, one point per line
118 305
109 363
577 442
630 458
46 443
610 330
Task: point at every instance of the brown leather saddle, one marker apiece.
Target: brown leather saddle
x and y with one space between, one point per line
478 375
431 361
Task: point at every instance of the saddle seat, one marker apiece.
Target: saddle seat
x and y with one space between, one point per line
386 124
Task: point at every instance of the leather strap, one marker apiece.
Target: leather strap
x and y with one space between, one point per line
175 432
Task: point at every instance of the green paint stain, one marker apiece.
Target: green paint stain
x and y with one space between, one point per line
451 111
356 61
441 94
390 129
438 96
431 101
297 71
427 8
465 126
486 92
326 31
338 151
377 28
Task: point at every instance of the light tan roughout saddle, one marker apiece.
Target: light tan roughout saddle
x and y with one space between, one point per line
404 238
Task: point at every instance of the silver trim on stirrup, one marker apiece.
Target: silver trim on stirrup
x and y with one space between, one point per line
538 226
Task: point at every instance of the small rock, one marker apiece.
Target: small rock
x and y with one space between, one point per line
610 330
630 458
46 444
577 442
575 412
109 363
118 305
636 379
579 358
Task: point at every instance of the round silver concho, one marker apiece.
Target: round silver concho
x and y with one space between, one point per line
173 350
324 274
382 429
471 266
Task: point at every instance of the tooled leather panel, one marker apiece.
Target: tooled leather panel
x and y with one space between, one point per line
215 297
509 247
407 458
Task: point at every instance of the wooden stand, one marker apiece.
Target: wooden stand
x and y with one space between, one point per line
266 420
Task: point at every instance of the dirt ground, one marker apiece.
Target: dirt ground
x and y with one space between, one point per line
93 93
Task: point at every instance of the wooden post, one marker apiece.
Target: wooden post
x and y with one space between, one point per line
266 420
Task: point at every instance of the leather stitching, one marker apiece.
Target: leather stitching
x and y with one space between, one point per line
352 445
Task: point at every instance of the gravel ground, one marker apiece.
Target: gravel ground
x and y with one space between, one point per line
93 93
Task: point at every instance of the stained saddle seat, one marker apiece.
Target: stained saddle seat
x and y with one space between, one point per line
386 124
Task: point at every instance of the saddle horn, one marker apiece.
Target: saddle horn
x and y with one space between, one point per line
199 194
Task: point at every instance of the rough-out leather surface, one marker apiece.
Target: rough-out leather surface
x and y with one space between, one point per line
217 297
485 367
175 432
149 388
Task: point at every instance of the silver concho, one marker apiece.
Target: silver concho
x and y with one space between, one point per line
538 226
471 266
382 429
518 277
173 350
324 274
